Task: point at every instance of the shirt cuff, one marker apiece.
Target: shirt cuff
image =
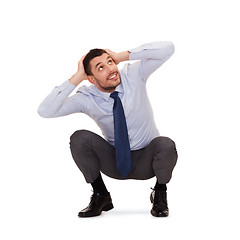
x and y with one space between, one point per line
65 88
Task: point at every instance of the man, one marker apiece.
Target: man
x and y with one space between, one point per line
117 101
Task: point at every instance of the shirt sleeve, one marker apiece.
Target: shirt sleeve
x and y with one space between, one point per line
57 103
151 56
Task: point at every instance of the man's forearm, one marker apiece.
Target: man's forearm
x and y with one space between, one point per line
123 56
155 50
118 57
52 103
80 75
154 55
76 79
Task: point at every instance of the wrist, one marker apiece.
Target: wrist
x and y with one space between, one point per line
124 56
76 79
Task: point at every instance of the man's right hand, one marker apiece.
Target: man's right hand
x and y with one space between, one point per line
80 75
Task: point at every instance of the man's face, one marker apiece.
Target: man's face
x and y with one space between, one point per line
105 74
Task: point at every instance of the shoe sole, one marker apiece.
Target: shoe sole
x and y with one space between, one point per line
160 215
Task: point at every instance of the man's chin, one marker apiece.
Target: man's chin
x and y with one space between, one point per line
114 83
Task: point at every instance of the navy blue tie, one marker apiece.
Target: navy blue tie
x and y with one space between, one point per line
122 146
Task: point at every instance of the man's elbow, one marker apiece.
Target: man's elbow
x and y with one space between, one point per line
43 113
171 48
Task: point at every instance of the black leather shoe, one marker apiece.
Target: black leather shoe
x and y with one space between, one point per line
159 200
97 204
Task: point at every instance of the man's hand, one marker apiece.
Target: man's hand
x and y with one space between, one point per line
80 75
118 57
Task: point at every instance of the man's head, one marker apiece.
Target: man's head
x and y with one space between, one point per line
101 70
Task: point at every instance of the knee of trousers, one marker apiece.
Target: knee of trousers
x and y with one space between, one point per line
84 157
164 144
165 158
165 149
80 137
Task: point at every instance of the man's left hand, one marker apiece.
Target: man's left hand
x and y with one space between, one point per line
118 57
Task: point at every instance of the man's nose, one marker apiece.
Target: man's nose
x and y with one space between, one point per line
110 68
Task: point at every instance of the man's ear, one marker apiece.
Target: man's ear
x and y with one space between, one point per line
91 79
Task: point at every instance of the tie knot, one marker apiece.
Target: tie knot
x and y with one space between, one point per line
114 95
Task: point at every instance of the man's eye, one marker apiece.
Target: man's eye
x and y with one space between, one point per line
110 62
101 68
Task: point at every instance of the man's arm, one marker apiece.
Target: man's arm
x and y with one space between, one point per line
152 56
57 103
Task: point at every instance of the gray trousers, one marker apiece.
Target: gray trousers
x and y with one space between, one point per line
93 155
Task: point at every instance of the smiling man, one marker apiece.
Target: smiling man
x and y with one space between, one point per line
131 147
104 72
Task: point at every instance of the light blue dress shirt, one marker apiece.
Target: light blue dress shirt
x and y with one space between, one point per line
132 91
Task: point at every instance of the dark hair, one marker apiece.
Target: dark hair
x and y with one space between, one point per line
96 52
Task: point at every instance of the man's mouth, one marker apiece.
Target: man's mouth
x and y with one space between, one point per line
112 76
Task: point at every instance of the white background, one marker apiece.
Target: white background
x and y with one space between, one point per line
195 97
